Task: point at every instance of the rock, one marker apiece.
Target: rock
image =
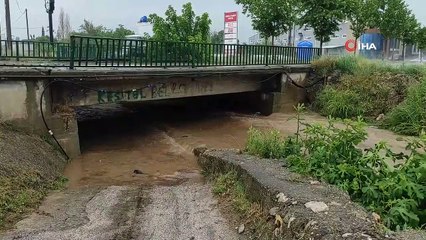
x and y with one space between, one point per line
317 207
281 198
346 235
376 217
335 204
314 182
294 203
241 228
199 150
380 117
274 211
367 236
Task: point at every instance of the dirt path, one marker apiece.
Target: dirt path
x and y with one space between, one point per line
187 211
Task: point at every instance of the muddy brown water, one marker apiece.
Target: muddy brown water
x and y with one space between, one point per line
158 149
158 143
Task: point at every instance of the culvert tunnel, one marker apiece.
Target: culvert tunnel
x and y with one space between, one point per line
152 142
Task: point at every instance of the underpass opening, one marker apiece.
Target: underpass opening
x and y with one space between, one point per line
151 142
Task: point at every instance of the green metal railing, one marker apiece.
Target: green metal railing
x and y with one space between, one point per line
34 50
83 51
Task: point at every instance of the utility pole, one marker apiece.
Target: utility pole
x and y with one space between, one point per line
8 24
28 28
50 7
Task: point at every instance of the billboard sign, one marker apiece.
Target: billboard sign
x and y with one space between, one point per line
231 31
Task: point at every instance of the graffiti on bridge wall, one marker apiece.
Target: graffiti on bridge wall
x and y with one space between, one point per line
155 91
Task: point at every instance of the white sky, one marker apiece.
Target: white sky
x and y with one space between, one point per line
110 13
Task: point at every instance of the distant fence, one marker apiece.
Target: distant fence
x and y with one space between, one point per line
85 51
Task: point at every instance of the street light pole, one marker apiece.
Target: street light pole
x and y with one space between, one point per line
8 24
28 28
50 7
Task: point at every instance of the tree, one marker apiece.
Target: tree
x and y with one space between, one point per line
421 40
362 15
217 37
88 28
186 27
392 16
270 17
122 32
64 26
324 17
409 31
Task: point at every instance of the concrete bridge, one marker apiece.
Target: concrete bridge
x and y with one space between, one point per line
96 75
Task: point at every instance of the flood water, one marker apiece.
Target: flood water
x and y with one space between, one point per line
157 140
151 145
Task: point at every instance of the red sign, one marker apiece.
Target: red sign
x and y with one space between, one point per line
231 16
350 45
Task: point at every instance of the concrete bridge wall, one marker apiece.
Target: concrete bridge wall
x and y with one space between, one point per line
20 93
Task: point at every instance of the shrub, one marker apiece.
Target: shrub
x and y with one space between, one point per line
368 92
270 144
340 103
331 154
410 116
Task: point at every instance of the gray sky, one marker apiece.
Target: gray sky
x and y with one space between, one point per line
110 13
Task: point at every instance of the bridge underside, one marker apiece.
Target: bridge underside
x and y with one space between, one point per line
266 87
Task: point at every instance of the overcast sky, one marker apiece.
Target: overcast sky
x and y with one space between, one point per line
110 13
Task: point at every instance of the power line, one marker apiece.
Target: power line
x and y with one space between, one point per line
22 14
19 7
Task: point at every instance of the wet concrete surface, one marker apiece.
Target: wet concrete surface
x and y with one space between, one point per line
166 197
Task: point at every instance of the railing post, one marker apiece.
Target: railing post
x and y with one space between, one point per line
17 50
72 53
267 55
192 54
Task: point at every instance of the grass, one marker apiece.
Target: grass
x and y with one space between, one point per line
19 194
231 191
269 144
410 116
359 87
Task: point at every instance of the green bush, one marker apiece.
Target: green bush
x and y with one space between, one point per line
340 103
410 116
331 154
396 194
363 87
270 144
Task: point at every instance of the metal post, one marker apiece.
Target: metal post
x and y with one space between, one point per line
8 24
72 54
28 28
50 8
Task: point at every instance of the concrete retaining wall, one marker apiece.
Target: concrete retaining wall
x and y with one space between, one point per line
264 179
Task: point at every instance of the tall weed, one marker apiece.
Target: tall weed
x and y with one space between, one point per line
410 116
340 103
364 87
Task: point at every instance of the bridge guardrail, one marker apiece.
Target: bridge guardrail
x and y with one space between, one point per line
86 51
28 49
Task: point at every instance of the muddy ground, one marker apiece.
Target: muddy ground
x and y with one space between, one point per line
138 179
